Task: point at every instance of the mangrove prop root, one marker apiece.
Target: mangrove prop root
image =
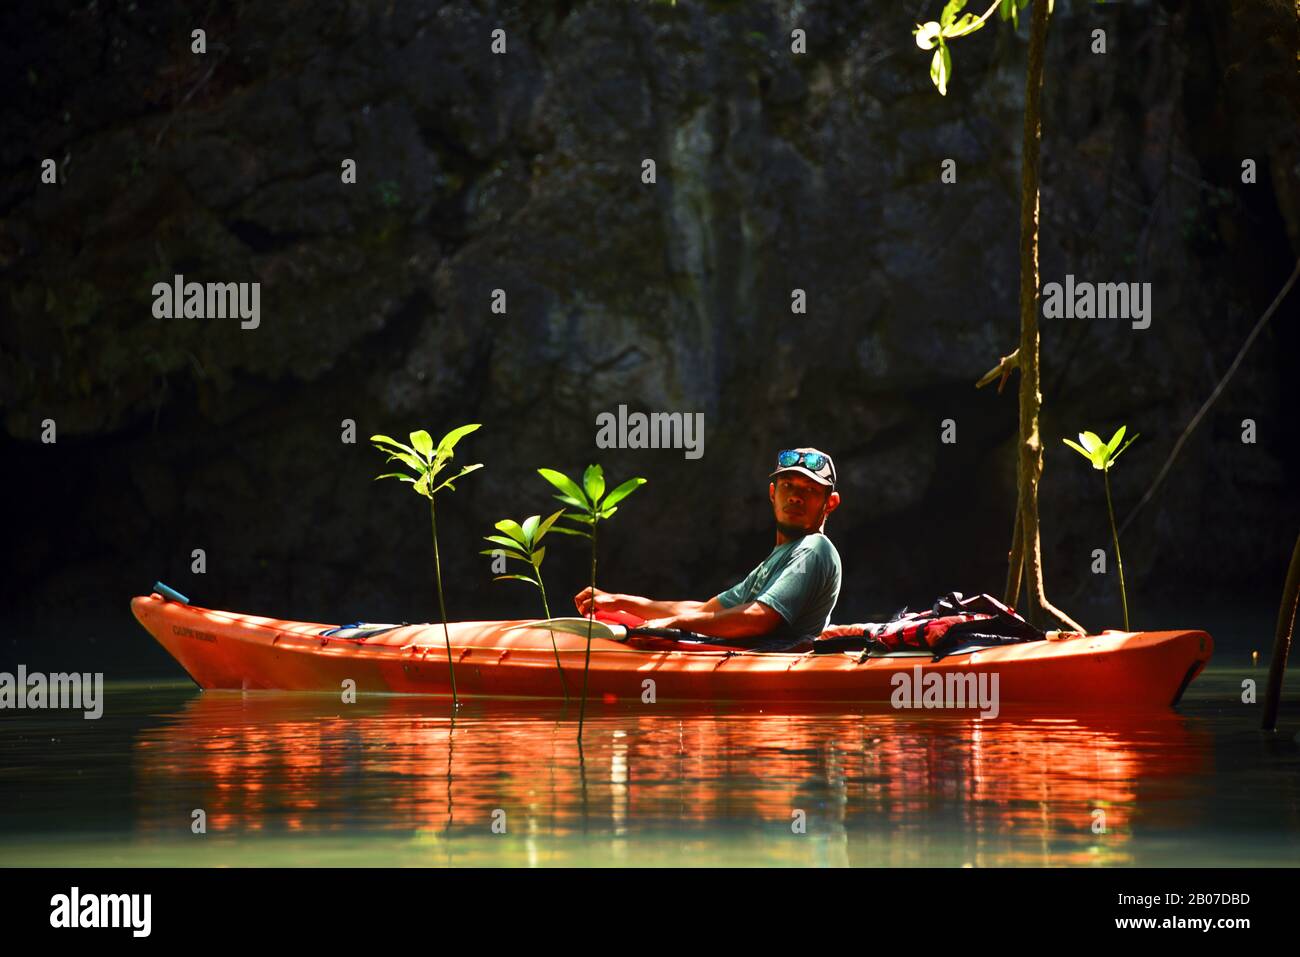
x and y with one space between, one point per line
1015 564
1069 623
1282 640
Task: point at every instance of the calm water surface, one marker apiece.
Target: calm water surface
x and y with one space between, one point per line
305 780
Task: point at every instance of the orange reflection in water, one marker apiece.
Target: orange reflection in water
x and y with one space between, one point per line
1018 789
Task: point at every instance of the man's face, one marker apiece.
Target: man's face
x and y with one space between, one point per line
800 505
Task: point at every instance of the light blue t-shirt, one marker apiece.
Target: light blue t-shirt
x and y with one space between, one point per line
800 581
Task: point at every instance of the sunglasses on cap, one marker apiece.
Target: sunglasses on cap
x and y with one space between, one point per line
814 462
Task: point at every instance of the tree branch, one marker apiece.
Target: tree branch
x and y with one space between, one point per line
1001 370
1218 389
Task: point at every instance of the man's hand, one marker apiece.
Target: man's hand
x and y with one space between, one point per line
641 607
603 600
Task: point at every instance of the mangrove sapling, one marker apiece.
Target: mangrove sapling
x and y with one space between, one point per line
590 504
522 545
1102 455
426 463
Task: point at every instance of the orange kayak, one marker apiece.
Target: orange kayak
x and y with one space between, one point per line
1113 670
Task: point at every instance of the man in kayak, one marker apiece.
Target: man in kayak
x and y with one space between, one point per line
787 600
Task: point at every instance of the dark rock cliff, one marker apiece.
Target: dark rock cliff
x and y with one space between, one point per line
522 172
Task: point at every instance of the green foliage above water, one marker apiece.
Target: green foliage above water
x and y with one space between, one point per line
1102 455
590 504
522 543
426 463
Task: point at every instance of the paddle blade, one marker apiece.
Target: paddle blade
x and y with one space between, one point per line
577 626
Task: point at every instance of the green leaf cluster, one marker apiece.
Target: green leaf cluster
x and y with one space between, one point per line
935 35
522 543
425 460
1101 454
589 502
952 23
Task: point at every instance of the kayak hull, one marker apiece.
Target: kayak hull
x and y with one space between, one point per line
226 650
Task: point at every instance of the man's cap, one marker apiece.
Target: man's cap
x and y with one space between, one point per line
825 475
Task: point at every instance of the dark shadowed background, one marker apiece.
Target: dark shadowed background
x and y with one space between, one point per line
523 172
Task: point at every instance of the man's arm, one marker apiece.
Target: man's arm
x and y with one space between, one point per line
845 631
741 621
778 603
641 607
